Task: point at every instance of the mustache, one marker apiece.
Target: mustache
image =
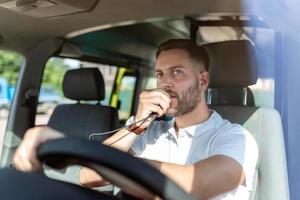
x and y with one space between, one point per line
172 93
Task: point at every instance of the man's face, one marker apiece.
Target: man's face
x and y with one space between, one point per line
178 75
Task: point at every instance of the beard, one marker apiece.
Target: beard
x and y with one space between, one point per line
187 101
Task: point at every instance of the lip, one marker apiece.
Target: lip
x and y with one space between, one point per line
172 95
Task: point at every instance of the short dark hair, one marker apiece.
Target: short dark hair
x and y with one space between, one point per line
196 52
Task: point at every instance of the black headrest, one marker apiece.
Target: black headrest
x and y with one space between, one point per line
84 84
232 63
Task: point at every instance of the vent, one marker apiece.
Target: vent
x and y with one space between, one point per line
49 8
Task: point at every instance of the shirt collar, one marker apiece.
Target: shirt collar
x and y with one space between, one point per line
198 129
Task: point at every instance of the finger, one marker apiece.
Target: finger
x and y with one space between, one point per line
26 165
25 157
27 161
35 163
156 109
17 162
150 98
157 92
21 164
159 101
151 108
31 153
164 105
166 94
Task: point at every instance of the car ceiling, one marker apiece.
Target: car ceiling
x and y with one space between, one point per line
21 33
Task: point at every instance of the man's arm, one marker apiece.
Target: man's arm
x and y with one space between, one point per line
204 179
122 140
152 101
25 158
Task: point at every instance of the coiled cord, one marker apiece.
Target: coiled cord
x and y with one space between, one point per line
152 115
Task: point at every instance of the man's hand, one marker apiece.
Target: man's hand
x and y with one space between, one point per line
25 158
152 101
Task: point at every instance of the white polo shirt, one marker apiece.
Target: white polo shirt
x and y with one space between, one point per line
216 136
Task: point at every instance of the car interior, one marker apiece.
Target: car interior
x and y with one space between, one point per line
85 84
125 34
230 96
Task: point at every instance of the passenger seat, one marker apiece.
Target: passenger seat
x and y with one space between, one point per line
86 116
80 119
232 69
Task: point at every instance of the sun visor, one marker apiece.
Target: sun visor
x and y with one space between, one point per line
49 9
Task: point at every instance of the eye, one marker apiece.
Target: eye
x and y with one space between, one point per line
158 75
177 72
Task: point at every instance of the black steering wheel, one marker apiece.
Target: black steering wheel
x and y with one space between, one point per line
121 169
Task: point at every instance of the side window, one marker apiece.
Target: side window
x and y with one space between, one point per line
10 63
51 93
150 83
126 96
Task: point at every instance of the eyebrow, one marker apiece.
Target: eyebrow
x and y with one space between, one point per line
170 68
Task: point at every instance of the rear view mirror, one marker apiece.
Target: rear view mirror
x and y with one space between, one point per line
70 50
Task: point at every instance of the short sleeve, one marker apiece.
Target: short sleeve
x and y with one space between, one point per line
152 133
238 144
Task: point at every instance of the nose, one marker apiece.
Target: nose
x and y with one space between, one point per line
165 82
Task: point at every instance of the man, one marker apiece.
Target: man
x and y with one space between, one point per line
204 154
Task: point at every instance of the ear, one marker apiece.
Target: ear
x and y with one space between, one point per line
204 79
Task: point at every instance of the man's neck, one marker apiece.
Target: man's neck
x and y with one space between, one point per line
199 115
